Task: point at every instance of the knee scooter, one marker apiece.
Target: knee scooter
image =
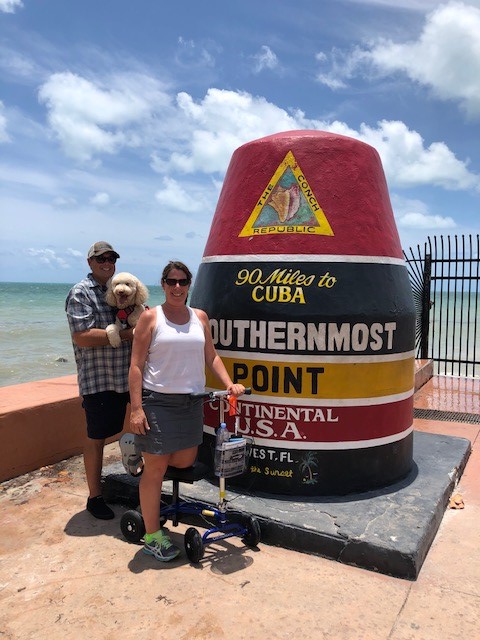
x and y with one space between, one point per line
231 459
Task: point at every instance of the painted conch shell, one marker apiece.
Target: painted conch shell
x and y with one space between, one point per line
286 202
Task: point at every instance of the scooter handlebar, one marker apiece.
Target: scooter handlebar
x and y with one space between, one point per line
217 394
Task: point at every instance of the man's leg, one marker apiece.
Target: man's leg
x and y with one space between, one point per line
93 460
105 414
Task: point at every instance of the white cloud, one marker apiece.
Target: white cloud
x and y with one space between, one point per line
265 59
445 58
4 137
17 65
100 199
74 252
95 118
406 160
331 81
47 258
177 197
62 202
191 55
415 220
414 214
223 121
9 6
341 67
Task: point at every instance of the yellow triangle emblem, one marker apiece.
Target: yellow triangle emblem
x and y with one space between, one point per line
287 205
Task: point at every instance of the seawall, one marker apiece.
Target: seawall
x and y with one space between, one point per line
41 423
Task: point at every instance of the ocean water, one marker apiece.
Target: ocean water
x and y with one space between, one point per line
454 333
35 339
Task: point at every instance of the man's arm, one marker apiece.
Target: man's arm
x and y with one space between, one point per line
98 337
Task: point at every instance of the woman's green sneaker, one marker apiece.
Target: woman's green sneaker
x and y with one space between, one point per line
160 546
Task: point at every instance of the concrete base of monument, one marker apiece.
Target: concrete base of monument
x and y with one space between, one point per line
387 530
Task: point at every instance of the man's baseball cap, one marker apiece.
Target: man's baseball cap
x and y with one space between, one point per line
101 247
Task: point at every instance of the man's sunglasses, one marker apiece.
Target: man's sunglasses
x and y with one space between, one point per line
183 282
103 259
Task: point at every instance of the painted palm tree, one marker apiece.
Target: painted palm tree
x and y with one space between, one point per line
307 464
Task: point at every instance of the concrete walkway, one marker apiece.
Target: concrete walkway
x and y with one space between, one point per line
65 575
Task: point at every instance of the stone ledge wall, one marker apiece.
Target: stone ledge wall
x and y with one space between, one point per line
423 372
40 423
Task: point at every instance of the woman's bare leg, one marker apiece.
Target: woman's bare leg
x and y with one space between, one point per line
151 482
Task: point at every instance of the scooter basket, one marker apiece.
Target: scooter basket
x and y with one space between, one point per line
232 457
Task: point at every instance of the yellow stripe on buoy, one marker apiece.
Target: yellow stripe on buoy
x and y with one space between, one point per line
321 380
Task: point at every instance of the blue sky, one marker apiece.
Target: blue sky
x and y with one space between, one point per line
118 119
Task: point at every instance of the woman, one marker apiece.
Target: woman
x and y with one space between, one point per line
171 347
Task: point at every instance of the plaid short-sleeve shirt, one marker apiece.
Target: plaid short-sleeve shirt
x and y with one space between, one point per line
99 368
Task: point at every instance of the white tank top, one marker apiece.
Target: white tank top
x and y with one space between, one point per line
176 356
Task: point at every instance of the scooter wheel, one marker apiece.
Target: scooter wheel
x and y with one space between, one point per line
194 545
252 537
132 526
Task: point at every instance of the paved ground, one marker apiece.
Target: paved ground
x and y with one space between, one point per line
388 530
65 575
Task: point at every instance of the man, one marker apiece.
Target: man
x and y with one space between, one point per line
102 370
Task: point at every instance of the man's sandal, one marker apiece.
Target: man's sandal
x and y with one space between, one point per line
132 459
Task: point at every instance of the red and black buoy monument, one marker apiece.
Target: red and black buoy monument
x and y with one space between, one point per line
310 304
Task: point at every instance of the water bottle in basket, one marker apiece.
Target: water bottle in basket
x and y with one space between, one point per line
223 435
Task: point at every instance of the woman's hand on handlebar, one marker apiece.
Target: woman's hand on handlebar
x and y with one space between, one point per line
138 422
236 389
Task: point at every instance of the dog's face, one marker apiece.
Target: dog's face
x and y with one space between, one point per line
124 289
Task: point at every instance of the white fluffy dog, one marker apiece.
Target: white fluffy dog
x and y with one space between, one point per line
128 295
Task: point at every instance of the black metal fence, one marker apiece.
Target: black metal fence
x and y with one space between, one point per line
445 278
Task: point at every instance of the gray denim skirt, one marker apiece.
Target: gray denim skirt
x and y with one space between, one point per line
175 421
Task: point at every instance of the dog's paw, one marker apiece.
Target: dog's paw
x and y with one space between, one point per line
113 335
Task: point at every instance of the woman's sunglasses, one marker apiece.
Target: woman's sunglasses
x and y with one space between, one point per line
183 282
102 259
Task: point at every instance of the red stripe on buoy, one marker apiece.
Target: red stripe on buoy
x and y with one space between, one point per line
346 178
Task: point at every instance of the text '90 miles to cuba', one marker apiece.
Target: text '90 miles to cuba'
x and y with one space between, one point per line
282 285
